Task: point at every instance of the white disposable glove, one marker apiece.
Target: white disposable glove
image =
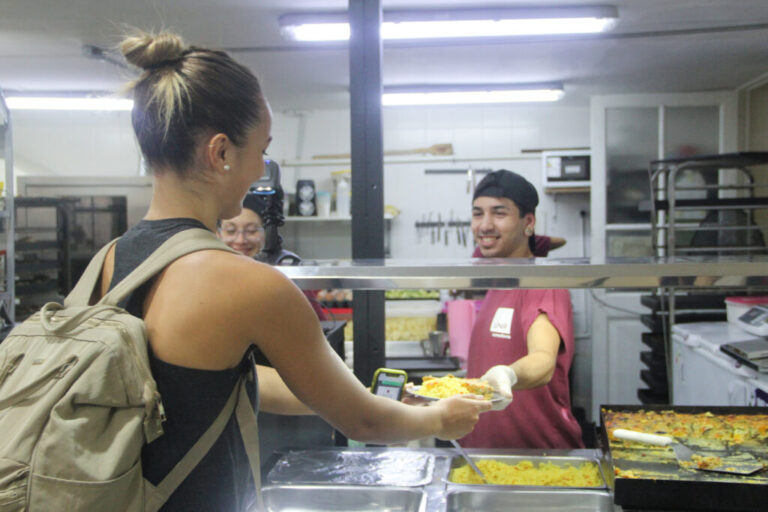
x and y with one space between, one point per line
501 378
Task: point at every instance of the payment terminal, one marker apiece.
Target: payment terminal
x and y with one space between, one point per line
389 383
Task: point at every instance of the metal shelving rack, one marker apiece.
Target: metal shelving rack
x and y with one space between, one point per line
713 218
730 174
7 286
43 264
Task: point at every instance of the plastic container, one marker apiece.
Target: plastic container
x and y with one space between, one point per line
342 198
737 306
461 318
323 203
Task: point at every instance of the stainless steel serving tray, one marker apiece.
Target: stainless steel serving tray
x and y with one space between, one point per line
342 498
461 500
383 467
457 461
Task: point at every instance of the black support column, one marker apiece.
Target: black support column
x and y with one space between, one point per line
367 178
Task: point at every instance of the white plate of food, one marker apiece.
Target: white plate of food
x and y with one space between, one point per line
437 388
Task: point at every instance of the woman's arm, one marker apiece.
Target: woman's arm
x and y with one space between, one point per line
275 396
282 323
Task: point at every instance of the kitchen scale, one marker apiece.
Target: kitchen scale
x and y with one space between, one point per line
753 353
755 320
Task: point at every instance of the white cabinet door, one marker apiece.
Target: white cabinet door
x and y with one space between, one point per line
616 347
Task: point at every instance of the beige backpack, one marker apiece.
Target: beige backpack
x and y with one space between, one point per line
78 402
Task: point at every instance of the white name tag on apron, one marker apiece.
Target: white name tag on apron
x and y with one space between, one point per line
501 326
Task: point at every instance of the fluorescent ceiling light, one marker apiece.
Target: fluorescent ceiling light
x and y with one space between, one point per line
67 103
470 94
458 23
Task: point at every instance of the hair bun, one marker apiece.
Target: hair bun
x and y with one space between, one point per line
148 51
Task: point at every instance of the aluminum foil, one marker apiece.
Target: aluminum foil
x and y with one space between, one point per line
407 468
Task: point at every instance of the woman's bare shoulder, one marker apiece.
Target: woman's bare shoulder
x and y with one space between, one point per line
221 272
205 307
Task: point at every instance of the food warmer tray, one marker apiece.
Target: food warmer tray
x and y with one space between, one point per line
662 484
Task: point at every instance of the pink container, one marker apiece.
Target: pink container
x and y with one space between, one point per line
461 318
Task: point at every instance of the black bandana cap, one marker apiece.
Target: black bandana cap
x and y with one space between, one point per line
504 183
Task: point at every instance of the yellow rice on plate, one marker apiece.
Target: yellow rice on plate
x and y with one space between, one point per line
443 387
528 473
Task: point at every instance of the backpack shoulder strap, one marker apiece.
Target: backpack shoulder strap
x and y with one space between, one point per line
180 244
240 404
81 293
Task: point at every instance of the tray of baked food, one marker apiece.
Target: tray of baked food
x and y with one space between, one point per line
649 477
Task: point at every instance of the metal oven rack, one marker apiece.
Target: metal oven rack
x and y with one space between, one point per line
729 203
710 215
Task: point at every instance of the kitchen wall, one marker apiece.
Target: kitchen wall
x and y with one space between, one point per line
74 143
490 137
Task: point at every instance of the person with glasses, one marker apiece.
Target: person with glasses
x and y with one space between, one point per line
245 232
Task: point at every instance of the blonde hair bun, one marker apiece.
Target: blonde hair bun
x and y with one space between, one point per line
147 50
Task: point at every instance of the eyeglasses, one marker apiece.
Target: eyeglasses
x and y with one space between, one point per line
251 232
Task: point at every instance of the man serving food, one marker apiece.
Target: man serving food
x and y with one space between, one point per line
522 340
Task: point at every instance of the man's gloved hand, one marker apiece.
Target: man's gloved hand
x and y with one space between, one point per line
502 378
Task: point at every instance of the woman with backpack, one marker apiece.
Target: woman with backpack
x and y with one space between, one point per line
203 126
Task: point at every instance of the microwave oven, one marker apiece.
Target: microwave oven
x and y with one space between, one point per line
567 167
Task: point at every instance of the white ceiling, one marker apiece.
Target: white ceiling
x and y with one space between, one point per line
657 46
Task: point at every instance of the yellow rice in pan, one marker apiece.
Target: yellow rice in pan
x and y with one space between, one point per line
526 473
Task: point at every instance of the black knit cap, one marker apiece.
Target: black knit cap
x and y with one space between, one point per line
255 203
504 183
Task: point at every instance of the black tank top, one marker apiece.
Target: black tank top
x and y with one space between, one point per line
192 399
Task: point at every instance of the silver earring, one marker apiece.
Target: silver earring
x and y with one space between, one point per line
528 231
227 167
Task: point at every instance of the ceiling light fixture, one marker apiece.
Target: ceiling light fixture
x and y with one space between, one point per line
458 23
470 94
68 103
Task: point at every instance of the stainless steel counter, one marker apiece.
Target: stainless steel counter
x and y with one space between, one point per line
678 272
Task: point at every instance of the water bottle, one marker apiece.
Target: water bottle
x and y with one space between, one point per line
342 198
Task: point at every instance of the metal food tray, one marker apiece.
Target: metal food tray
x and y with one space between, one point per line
386 467
573 499
342 498
458 461
671 487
